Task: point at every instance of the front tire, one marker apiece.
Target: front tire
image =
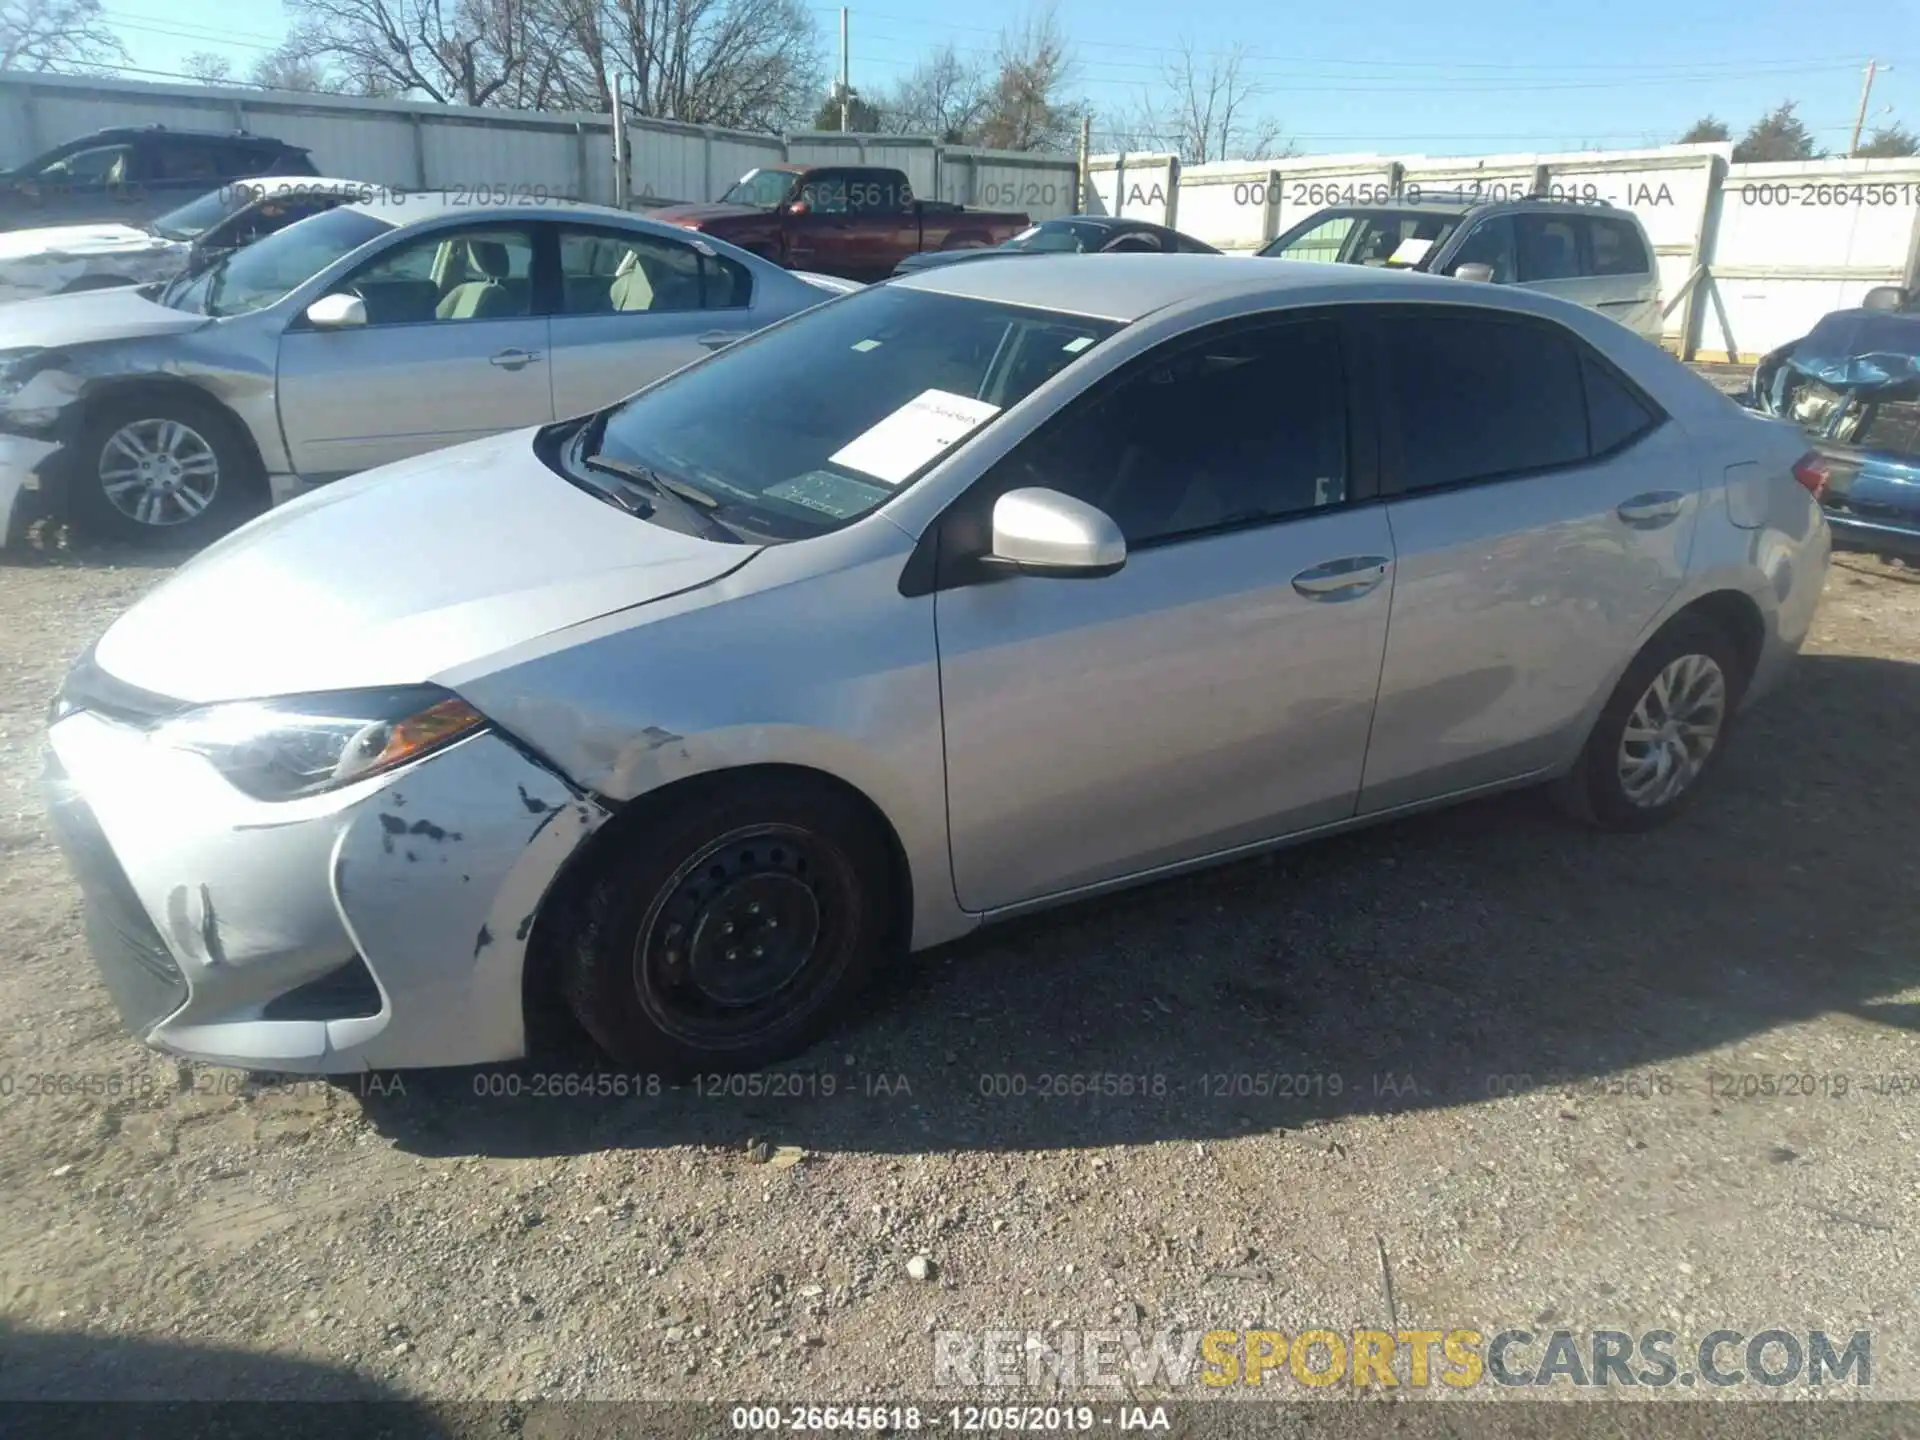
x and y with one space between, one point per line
161 469
1663 731
730 927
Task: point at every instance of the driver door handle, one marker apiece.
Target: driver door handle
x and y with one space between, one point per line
1652 509
720 339
514 359
1345 579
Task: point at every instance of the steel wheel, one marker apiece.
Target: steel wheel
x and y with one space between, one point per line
744 934
1672 731
159 472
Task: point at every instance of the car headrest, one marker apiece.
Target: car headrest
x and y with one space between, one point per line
489 258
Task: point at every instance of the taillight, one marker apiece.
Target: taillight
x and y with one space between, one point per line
1812 471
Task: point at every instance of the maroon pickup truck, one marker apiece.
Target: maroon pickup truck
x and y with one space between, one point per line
855 221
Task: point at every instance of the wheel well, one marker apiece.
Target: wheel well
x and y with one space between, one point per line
545 1013
1737 617
121 390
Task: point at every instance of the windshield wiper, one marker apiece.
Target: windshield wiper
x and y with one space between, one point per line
691 499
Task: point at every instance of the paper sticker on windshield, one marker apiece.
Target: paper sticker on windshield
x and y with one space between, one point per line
828 493
865 345
1074 347
1410 251
927 426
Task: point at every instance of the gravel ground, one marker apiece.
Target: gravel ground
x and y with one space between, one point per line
1503 1029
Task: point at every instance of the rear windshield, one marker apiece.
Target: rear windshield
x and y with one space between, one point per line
1402 239
197 216
815 422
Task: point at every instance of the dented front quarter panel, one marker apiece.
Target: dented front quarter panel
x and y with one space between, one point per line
808 657
85 346
431 875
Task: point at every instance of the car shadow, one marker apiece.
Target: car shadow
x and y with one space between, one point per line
59 1383
1491 949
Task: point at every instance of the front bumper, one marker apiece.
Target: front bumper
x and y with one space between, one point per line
381 926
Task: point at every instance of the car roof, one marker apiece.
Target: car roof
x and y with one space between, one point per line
306 184
407 207
1454 204
231 137
419 207
1128 287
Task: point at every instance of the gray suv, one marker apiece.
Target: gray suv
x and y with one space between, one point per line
1588 252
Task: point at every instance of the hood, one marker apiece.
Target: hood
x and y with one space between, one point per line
398 575
699 214
78 241
119 314
1864 352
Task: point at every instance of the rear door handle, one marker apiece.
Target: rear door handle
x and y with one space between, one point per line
1652 509
720 339
1345 579
514 359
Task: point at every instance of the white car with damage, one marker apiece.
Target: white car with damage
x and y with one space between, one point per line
63 259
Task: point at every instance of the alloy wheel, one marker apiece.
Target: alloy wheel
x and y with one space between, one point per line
159 472
1672 731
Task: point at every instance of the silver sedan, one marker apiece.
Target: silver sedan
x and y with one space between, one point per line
975 592
352 339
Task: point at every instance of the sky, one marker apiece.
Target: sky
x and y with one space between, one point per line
1479 78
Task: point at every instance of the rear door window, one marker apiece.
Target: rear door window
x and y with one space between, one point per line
1615 247
1477 397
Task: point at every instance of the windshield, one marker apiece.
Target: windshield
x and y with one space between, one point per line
762 189
197 216
253 278
1400 239
1061 235
817 421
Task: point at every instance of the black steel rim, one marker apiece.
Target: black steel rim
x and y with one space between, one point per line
747 934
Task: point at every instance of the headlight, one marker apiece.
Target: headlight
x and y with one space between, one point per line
304 744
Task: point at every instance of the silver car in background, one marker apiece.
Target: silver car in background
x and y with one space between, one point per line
64 259
1574 248
352 339
974 592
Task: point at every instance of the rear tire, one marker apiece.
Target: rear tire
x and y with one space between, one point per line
161 469
729 927
1662 732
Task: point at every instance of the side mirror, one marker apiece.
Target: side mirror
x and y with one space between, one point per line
1473 270
1885 297
798 207
336 312
1046 533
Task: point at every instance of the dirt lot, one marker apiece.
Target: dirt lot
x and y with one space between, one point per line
1448 990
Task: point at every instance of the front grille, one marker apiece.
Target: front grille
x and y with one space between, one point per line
134 963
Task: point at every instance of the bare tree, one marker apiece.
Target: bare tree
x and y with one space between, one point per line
57 35
457 52
1025 108
291 68
1205 108
208 68
945 96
